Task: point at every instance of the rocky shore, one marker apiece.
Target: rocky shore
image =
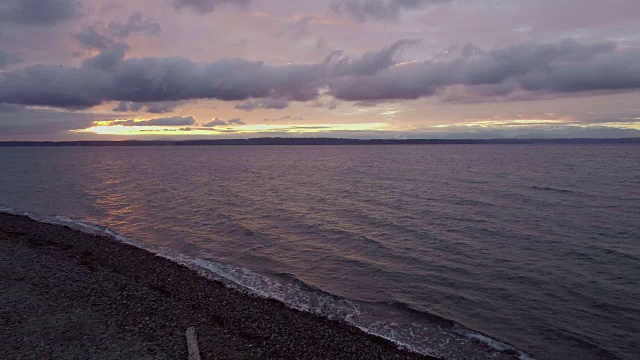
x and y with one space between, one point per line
71 295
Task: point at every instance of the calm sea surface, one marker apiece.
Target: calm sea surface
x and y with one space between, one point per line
463 251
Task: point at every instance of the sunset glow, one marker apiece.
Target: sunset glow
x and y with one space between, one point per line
113 69
103 129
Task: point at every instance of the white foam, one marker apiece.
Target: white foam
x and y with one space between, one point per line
241 279
291 294
491 342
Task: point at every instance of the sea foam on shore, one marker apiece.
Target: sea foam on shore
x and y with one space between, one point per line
451 341
70 294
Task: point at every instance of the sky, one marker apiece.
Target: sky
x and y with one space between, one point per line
200 69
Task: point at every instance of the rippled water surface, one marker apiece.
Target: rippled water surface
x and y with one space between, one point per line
441 248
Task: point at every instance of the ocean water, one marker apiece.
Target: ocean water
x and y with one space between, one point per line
459 251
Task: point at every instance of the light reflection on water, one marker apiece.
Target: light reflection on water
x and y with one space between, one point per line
537 246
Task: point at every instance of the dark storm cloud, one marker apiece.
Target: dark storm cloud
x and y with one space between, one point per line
562 67
166 121
109 77
39 12
207 6
363 10
7 59
262 104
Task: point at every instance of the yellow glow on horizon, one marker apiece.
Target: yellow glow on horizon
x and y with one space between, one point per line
104 128
514 122
108 122
627 125
631 125
112 128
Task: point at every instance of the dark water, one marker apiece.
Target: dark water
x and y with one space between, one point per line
535 246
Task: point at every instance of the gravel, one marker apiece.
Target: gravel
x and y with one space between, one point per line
70 295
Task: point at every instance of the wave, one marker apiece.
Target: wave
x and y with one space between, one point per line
471 202
293 295
299 295
547 188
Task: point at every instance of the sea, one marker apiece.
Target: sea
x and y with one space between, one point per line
456 251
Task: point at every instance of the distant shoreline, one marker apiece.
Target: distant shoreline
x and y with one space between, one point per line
324 141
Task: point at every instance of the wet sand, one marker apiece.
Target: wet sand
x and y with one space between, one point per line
70 295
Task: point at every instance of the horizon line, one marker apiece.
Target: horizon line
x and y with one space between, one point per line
318 141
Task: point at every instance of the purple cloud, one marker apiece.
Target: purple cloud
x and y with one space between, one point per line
153 108
262 104
100 37
136 23
363 10
18 120
207 6
236 121
368 64
39 12
7 59
219 122
215 122
561 67
565 67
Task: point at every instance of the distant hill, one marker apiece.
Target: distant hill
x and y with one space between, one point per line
317 141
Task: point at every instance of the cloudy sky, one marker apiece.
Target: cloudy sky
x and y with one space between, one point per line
157 69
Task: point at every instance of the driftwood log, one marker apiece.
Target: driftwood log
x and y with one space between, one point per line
192 344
